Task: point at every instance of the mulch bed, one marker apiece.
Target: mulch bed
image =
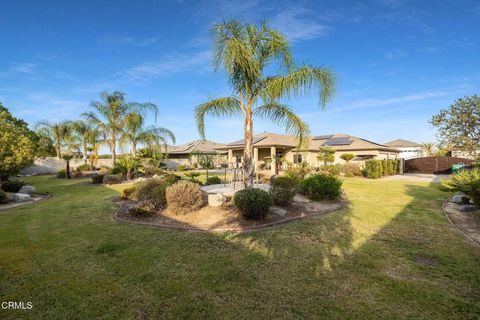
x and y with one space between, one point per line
36 198
225 217
468 223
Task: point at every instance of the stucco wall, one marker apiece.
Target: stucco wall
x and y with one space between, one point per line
53 165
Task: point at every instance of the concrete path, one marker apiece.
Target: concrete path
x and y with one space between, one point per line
417 177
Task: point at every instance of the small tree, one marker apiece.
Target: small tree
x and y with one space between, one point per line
459 125
347 157
326 154
427 148
68 157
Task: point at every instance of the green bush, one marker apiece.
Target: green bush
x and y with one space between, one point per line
184 197
112 179
83 167
62 174
321 186
466 181
12 185
253 203
282 190
3 197
152 190
181 167
171 178
213 180
373 169
127 193
143 209
333 169
97 178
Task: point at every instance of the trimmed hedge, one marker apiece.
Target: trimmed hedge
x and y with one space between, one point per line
184 197
253 203
321 186
97 178
282 190
375 169
112 179
3 197
213 180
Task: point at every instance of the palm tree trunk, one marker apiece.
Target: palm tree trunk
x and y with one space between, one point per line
134 149
85 152
58 147
248 170
114 147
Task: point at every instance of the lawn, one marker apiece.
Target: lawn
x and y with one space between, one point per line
391 254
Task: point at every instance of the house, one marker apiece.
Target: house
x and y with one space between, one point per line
408 149
187 154
268 146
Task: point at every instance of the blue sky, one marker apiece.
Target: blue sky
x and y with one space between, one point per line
397 62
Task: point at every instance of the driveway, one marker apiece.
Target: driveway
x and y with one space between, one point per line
417 177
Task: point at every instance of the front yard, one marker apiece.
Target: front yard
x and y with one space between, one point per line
390 254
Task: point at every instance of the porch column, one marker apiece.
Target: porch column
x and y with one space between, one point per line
255 158
230 157
273 153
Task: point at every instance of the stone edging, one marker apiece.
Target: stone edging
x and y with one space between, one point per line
21 204
455 226
343 204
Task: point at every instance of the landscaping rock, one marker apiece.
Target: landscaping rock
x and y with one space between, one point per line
277 211
141 179
216 199
300 198
156 176
459 199
28 190
21 197
467 208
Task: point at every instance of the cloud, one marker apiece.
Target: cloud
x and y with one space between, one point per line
171 64
298 24
130 41
28 68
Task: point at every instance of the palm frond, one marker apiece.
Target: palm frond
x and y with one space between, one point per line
284 116
222 107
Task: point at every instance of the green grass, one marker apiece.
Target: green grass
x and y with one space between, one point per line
391 254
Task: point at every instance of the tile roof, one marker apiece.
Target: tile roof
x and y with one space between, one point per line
203 146
399 143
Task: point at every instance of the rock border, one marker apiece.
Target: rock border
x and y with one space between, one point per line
454 225
7 206
342 204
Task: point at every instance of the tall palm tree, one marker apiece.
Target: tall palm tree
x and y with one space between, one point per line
427 148
245 51
59 132
82 130
134 133
111 116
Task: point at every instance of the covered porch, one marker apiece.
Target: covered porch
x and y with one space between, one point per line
264 158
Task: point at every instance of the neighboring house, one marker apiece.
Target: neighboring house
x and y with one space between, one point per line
465 154
186 154
271 145
408 149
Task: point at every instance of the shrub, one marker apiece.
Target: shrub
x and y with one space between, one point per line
184 197
3 197
213 180
253 203
171 178
321 186
112 179
83 167
299 171
347 157
283 190
97 178
333 170
62 174
373 169
192 177
351 169
143 209
181 167
466 181
152 190
12 185
126 193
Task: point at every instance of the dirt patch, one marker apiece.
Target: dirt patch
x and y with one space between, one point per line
225 217
467 222
426 261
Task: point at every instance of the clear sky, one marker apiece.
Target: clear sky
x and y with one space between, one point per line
397 62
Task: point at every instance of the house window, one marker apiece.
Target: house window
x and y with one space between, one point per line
297 158
238 159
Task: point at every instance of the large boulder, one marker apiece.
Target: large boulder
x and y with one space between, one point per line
216 199
28 190
21 197
277 211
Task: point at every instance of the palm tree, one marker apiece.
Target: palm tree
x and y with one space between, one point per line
59 132
135 133
82 130
245 51
112 114
427 148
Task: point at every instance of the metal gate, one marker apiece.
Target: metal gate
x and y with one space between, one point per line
435 165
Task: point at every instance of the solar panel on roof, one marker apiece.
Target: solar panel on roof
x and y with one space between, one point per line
241 142
338 141
324 137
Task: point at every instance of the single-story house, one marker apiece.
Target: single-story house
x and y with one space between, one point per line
408 149
271 145
187 154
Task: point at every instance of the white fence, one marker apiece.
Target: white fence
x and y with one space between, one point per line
53 165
